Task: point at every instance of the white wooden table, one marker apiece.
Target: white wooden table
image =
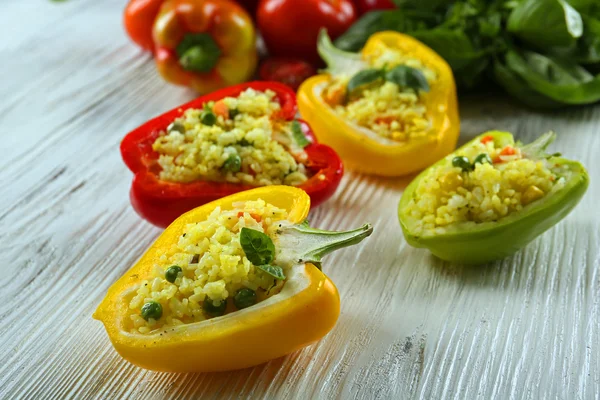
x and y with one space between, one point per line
411 326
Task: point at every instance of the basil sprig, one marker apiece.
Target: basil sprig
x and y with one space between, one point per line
273 270
401 75
260 251
543 52
298 135
259 247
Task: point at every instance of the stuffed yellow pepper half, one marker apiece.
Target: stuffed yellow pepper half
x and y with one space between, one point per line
390 110
231 284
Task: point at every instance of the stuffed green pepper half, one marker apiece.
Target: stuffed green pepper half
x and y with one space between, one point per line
490 198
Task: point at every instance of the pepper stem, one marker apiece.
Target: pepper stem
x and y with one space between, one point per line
300 243
198 52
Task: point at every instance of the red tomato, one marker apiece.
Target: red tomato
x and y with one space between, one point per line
290 71
138 19
364 6
290 27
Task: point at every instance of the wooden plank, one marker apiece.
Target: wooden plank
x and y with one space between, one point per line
411 325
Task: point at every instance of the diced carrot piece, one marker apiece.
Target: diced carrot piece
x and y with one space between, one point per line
220 108
255 217
486 139
508 151
385 119
334 97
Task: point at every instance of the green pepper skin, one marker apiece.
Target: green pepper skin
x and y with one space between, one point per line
491 241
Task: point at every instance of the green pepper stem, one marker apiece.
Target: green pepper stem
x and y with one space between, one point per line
198 52
304 244
536 150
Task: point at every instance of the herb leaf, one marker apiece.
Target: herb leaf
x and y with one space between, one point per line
365 77
298 135
273 270
404 76
546 23
259 247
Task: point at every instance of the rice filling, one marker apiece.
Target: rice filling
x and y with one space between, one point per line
387 109
481 183
207 268
237 140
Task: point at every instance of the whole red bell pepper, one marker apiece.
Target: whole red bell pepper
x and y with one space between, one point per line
160 202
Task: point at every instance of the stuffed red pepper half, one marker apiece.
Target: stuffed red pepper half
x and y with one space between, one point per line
231 140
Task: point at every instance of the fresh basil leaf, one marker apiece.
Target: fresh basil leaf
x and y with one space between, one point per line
556 86
555 70
233 163
452 45
408 77
257 246
422 4
399 20
364 77
520 90
273 270
546 23
298 135
587 50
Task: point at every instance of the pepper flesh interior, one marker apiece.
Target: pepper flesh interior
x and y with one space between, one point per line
457 193
213 266
247 143
390 111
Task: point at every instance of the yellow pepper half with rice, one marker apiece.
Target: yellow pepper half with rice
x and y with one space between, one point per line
390 110
231 284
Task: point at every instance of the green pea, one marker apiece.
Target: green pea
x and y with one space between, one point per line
244 297
234 112
152 309
176 126
212 310
233 163
462 162
172 272
482 158
208 118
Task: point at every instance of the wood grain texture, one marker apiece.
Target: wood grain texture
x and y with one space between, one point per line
411 326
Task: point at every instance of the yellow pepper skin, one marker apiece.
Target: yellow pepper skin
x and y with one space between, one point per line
306 311
368 155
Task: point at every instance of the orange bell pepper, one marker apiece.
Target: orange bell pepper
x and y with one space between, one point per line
204 44
364 152
304 311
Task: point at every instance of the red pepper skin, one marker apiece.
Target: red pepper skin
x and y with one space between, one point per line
161 202
138 19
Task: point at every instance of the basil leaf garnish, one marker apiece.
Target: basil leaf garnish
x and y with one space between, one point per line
365 77
298 135
273 270
404 76
259 247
